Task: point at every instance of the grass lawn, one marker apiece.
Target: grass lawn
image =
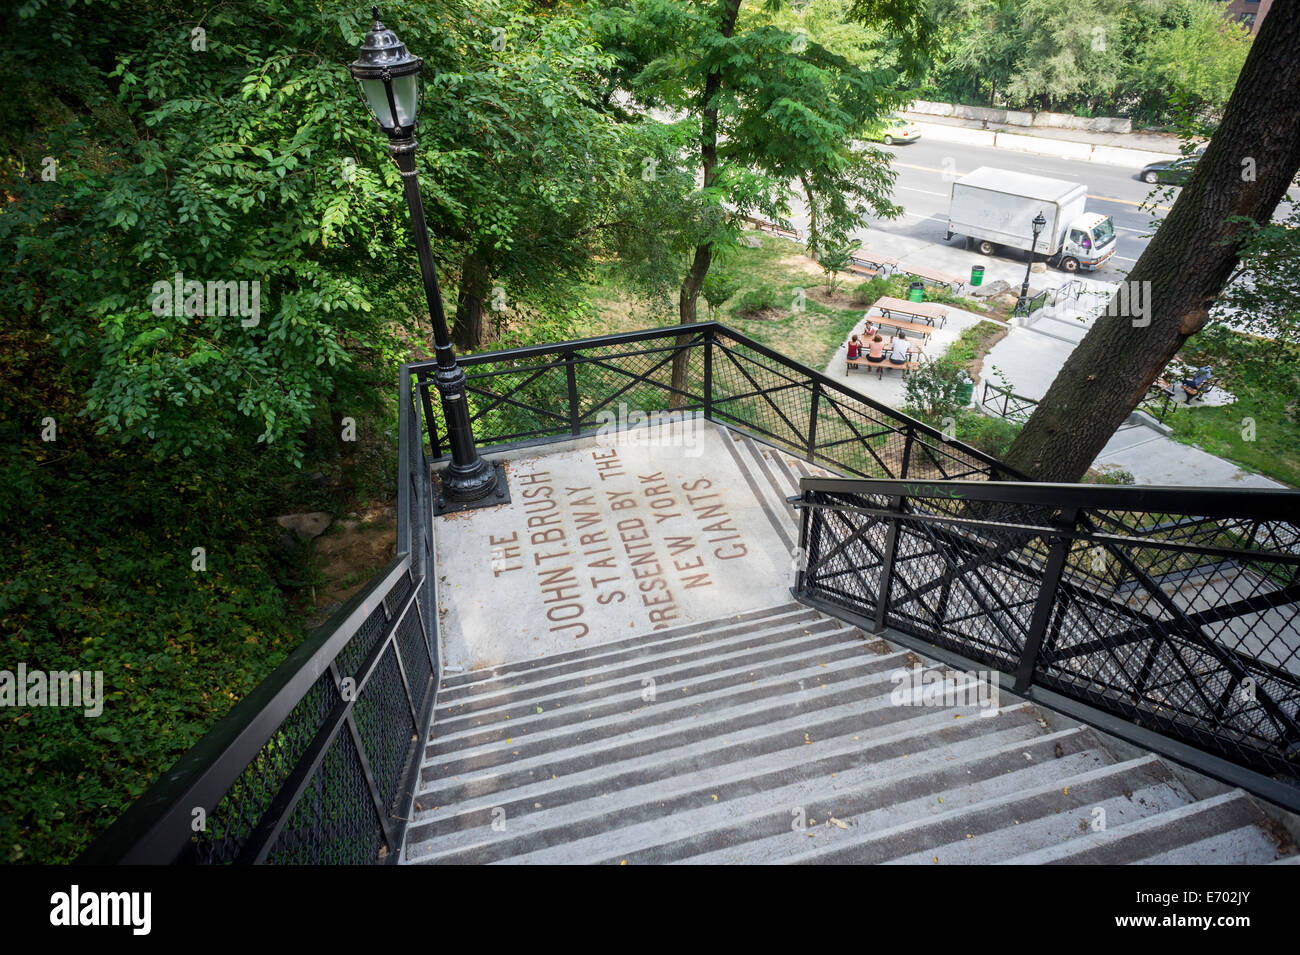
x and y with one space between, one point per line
1223 431
1264 379
809 335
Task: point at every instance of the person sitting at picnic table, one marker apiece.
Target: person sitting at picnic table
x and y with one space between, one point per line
868 330
876 351
1195 386
855 347
901 351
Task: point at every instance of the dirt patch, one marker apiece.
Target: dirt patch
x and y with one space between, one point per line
802 263
840 298
348 555
976 365
767 314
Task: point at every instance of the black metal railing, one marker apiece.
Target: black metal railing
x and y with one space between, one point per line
317 764
1005 403
1032 304
1176 610
546 392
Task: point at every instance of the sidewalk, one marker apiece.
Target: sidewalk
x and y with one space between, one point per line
1112 149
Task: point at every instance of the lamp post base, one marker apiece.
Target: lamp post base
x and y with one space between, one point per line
454 492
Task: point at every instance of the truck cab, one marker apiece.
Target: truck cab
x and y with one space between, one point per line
1089 242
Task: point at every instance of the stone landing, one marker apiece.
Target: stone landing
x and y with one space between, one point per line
639 530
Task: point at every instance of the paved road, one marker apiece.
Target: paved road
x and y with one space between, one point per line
924 184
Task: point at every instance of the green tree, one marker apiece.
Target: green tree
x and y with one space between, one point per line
533 174
767 108
1188 56
1245 172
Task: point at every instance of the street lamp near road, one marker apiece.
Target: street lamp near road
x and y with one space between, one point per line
389 77
1022 303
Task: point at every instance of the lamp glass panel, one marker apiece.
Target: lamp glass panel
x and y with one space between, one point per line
406 94
377 100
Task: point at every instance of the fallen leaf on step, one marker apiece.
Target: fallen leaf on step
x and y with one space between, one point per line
715 797
838 822
1067 790
807 739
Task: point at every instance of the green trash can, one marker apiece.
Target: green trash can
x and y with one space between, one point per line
965 392
916 292
976 275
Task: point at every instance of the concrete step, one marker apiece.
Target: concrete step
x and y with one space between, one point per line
646 658
635 726
777 736
1227 830
615 694
455 685
642 817
773 474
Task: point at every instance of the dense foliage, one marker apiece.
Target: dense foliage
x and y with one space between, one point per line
1093 57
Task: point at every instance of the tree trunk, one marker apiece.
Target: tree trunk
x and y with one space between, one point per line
690 293
1184 268
467 330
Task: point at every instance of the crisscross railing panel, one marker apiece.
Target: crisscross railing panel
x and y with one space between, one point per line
1175 609
573 388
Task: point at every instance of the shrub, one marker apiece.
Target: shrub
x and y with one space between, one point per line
933 390
991 435
717 288
756 299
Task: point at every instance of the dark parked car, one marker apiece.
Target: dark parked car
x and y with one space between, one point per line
1173 171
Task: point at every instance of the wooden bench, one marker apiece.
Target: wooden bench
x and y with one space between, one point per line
936 277
879 366
764 226
858 269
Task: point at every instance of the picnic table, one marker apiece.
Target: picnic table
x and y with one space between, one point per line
866 259
927 312
935 276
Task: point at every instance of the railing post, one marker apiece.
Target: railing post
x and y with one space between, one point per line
887 565
435 446
572 377
708 375
1043 607
907 453
812 420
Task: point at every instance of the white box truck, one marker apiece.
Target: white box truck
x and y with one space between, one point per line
996 207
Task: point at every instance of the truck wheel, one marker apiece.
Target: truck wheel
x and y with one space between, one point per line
987 247
1070 264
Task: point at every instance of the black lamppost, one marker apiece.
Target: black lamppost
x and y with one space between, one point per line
389 78
1022 303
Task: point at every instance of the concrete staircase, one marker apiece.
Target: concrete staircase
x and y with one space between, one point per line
772 737
773 475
